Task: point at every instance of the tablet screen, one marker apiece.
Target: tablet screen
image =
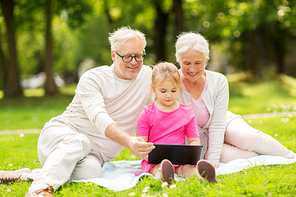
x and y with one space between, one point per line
177 154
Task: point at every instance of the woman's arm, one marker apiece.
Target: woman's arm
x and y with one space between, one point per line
218 122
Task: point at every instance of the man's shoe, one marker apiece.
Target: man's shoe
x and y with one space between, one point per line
207 171
167 171
12 176
41 193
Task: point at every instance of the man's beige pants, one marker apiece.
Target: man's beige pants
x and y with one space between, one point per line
64 154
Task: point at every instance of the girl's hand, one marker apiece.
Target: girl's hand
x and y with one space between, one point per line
145 158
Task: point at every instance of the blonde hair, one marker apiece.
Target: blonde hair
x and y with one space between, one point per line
166 71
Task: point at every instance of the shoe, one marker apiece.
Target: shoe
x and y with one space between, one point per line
12 176
167 171
41 193
207 171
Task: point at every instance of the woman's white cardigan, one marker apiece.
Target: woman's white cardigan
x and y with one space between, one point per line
216 100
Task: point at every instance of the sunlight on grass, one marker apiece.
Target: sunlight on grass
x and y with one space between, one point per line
34 92
68 89
39 92
261 97
274 180
30 112
292 82
267 96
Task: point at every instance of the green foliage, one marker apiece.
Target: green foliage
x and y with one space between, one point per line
80 29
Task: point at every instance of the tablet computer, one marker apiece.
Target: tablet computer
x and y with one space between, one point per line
177 154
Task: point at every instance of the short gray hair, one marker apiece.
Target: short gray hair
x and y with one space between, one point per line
192 40
123 34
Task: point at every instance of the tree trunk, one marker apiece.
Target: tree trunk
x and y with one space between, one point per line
260 53
3 62
107 12
49 86
160 32
179 17
11 84
279 42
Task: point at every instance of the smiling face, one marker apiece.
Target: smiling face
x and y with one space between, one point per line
166 93
193 63
128 70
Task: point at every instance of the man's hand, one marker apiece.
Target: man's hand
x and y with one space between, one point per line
139 147
136 145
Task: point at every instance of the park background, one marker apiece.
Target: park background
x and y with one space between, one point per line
61 38
252 42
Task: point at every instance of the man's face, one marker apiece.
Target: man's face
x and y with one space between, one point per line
128 70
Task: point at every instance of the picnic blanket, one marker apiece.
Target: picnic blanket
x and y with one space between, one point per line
122 175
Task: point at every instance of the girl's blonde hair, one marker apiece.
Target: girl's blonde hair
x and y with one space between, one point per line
166 71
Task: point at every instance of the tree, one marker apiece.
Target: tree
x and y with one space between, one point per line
75 11
49 86
160 31
179 17
11 73
3 61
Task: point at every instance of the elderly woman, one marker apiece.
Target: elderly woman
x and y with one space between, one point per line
224 135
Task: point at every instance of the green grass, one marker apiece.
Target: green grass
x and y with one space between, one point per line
18 151
33 111
246 97
261 97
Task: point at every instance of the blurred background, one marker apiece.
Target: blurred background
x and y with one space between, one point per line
50 43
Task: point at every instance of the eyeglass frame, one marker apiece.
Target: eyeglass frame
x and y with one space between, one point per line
132 56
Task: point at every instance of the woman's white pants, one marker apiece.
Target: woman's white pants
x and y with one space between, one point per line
242 141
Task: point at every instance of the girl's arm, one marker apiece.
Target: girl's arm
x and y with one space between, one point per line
193 141
145 138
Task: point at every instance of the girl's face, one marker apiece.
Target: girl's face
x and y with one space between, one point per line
166 93
193 63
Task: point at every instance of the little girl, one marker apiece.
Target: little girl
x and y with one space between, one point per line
166 121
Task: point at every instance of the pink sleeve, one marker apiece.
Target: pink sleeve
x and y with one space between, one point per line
191 128
142 124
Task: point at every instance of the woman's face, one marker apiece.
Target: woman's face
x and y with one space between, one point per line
193 63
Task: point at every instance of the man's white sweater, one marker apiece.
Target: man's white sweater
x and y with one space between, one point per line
101 98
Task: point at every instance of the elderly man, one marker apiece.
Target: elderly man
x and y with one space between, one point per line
99 121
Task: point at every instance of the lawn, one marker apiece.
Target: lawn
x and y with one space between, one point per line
19 150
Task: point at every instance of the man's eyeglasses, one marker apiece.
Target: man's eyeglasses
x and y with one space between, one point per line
129 58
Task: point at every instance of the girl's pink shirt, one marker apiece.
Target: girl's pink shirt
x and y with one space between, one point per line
167 127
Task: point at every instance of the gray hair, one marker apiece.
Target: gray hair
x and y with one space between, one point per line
192 40
121 35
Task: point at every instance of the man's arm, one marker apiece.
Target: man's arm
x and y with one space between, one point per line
136 145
